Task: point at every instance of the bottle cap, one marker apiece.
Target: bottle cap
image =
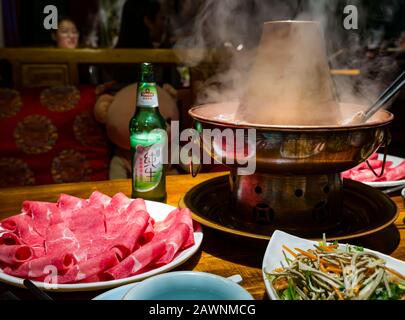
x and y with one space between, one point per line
146 74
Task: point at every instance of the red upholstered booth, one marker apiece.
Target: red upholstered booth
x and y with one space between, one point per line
49 135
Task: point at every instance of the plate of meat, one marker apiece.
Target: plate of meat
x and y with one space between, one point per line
96 243
394 172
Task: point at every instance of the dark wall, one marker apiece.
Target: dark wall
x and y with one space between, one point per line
388 13
32 31
31 17
29 30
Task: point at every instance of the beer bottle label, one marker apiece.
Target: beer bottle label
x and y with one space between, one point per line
149 149
148 167
147 95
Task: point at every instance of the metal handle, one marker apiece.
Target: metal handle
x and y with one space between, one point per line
197 141
383 165
386 143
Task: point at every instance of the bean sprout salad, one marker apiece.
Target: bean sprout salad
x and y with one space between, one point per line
332 272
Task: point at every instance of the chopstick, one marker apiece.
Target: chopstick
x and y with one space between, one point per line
8 295
387 95
38 293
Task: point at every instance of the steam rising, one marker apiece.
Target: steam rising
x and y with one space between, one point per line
236 26
290 82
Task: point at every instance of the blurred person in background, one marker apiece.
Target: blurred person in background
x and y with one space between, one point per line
67 35
143 25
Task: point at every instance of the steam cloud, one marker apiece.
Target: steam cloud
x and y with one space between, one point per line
236 26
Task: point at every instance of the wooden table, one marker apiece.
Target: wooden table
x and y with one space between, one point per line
219 254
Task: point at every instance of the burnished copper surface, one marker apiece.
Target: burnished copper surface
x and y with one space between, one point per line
301 150
291 202
296 184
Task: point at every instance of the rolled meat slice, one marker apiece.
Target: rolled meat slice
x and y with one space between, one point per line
159 251
131 213
176 239
90 268
375 164
347 174
118 203
60 239
113 212
13 223
136 261
67 202
9 239
174 218
358 171
15 254
99 199
114 222
139 204
38 251
43 214
396 173
128 237
123 235
40 267
149 232
22 226
88 220
364 176
95 278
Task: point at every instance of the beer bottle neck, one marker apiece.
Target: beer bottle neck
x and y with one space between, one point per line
149 110
146 74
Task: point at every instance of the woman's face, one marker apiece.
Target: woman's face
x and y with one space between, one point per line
67 36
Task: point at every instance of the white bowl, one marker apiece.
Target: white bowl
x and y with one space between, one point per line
274 256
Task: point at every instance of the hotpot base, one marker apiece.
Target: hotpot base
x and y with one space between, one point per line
365 211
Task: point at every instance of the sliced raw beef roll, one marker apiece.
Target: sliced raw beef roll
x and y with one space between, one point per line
15 254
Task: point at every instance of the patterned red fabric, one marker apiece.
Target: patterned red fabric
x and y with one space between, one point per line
50 136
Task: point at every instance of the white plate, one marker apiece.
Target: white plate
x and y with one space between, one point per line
158 211
274 255
386 184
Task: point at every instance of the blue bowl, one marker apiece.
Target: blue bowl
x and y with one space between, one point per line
187 285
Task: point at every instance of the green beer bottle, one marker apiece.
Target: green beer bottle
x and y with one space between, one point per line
147 134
